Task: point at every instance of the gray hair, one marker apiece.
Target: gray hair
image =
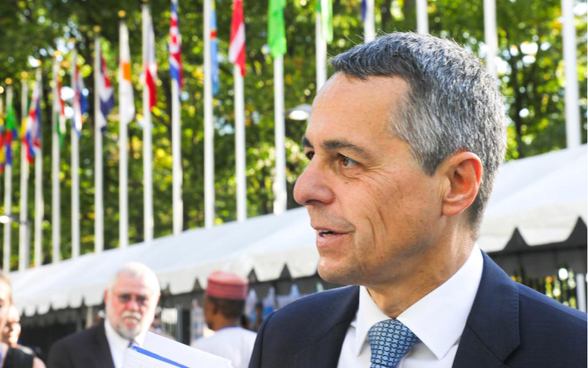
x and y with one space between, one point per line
453 103
137 270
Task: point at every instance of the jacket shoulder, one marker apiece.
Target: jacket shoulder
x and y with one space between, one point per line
81 338
531 299
64 351
540 313
551 334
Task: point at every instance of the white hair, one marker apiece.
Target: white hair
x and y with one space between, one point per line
137 270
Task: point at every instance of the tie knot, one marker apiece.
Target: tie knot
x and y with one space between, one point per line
390 340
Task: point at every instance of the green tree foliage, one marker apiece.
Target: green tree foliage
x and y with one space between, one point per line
531 75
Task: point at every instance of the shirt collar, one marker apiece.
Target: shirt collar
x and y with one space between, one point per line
438 319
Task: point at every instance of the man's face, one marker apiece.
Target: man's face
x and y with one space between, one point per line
130 306
13 328
209 313
375 210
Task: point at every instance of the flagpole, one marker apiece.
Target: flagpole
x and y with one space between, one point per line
23 251
55 161
7 193
147 145
422 17
177 159
208 123
280 194
240 145
321 52
98 168
176 152
75 172
237 57
369 27
39 205
572 108
126 115
277 42
491 36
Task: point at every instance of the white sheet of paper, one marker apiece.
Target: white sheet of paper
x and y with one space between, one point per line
176 352
134 359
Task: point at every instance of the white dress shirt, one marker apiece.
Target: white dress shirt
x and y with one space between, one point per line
118 344
232 343
438 320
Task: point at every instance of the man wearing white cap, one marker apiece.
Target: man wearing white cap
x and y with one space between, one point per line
224 303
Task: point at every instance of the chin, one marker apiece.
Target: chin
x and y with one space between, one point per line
129 332
338 275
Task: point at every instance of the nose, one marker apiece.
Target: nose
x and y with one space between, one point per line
312 187
133 304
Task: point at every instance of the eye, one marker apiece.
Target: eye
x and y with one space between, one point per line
309 155
347 162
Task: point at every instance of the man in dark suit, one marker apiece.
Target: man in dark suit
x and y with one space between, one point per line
131 298
404 142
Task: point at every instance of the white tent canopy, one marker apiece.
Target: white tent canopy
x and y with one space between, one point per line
543 196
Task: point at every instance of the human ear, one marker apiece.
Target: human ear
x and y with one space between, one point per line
463 171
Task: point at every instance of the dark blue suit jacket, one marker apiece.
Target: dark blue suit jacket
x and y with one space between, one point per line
509 325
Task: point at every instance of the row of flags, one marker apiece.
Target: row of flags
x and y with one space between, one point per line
276 41
105 101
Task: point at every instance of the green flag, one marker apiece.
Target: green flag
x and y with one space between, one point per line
11 133
276 30
60 129
325 8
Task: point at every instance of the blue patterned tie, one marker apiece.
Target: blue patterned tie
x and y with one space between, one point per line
390 340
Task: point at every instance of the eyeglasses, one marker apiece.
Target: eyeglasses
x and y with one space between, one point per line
126 298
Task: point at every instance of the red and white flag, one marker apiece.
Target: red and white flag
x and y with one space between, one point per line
237 45
105 92
150 64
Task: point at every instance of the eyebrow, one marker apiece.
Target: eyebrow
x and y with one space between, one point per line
335 144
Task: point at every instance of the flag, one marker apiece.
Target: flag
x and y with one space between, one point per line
125 84
325 8
150 65
237 45
214 50
2 137
31 136
10 133
59 111
276 28
105 93
363 9
175 46
80 103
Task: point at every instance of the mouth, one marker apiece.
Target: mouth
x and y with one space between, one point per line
324 233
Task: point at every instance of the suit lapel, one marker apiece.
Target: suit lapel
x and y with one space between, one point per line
329 330
492 329
102 350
